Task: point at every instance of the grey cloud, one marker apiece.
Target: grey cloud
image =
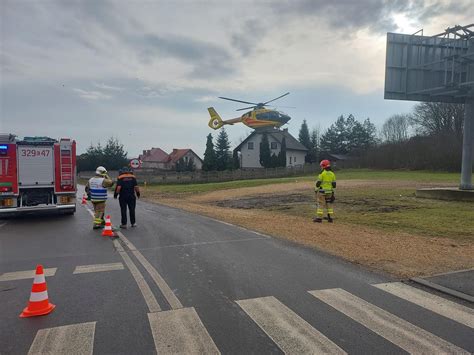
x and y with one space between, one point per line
252 31
105 14
207 59
346 14
446 7
349 15
96 25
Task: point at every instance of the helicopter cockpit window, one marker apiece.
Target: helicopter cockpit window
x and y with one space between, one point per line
264 116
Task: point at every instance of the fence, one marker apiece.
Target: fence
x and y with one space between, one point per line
153 176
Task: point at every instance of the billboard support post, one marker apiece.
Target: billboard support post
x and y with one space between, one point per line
468 145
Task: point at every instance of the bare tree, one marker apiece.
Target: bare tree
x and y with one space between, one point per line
432 118
395 128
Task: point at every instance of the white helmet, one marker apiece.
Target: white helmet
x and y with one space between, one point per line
101 170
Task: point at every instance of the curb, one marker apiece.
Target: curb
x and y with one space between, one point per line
443 289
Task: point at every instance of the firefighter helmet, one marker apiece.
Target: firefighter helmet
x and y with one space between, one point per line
325 164
101 170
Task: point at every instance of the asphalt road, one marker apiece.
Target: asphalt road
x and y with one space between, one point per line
184 283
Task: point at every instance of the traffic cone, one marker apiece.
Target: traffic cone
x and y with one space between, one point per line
38 304
84 201
108 232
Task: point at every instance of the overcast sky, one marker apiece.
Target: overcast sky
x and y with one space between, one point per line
146 71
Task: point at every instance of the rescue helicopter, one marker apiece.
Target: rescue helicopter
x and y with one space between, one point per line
259 117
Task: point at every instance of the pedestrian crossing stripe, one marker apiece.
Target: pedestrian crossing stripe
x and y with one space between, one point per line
290 332
27 274
82 269
75 339
436 304
182 331
396 330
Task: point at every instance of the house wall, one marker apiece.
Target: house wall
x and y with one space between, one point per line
195 158
251 158
297 157
154 165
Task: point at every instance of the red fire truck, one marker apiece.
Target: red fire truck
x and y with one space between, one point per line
37 174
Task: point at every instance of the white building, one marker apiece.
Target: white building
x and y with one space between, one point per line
250 148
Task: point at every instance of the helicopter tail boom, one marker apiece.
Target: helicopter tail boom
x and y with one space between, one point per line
215 122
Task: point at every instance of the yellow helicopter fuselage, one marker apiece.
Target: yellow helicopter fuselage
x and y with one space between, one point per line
257 118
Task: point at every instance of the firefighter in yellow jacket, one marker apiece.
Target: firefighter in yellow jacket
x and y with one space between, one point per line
96 189
324 189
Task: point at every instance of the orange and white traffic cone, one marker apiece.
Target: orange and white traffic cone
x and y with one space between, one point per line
84 200
38 304
108 232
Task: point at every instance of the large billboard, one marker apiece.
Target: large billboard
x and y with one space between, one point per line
436 69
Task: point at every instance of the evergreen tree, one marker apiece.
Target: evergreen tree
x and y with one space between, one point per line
274 161
190 166
334 140
370 134
235 160
223 156
265 155
314 150
114 156
210 160
349 136
303 136
180 165
282 154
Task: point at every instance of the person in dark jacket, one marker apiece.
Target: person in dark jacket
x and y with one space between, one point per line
126 190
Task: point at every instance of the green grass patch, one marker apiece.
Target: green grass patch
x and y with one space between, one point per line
349 174
207 187
418 176
397 210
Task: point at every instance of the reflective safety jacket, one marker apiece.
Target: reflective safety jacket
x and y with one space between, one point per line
97 190
327 181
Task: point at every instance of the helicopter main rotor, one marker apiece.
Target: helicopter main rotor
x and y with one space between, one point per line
255 105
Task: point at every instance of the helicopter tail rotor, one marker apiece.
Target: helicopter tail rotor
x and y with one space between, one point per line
215 122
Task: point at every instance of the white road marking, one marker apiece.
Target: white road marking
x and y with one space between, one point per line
180 331
82 269
3 224
69 339
205 243
27 274
150 299
160 282
89 210
236 226
396 330
442 306
290 332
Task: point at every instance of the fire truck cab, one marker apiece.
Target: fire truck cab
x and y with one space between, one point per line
37 174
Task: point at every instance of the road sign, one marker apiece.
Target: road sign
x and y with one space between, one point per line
135 163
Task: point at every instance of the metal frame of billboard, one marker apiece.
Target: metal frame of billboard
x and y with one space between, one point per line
437 68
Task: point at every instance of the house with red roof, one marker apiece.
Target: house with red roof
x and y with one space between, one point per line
156 158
